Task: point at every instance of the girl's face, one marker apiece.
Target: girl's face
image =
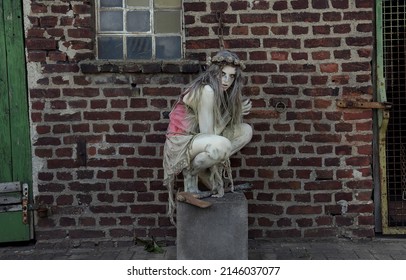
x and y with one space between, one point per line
227 77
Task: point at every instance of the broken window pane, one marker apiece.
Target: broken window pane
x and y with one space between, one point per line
139 47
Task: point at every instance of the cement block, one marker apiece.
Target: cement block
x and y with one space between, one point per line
219 232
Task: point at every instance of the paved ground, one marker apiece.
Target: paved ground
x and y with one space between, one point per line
332 249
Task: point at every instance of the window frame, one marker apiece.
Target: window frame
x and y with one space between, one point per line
124 34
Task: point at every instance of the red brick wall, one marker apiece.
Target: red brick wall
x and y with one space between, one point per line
305 163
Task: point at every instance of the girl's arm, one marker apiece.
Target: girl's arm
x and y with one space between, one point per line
206 110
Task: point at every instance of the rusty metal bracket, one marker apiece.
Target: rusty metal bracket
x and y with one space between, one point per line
25 203
353 104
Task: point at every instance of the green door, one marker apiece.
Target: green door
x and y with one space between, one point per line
15 152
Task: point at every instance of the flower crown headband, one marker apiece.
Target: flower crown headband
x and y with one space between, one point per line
219 59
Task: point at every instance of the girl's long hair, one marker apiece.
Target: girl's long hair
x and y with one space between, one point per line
228 102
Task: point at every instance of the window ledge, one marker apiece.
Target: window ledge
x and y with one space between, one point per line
144 67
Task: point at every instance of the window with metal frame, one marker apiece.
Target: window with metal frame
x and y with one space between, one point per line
139 29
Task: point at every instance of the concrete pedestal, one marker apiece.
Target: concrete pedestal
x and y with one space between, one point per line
219 232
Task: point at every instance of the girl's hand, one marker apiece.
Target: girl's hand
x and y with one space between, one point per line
246 107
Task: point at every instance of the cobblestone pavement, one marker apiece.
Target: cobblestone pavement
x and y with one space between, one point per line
331 249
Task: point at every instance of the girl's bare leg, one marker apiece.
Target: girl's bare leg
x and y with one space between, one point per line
206 151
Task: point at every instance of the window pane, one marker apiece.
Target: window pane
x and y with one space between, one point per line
110 47
138 3
111 21
138 21
167 22
139 47
111 3
168 3
168 47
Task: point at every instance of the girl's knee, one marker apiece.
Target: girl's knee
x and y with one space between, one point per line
245 132
220 149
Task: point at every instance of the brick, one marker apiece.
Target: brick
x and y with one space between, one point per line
359 41
37 8
362 15
197 31
299 4
126 197
36 33
242 43
360 184
239 5
324 220
311 115
268 67
37 56
342 54
279 55
305 162
300 30
265 222
55 32
304 128
260 30
332 16
301 17
81 9
299 79
320 151
302 197
80 33
320 4
329 68
258 18
149 209
321 55
260 5
323 29
195 7
40 44
322 104
323 185
321 92
61 68
315 43
342 28
340 4
48 21
60 9
265 208
319 80
291 68
322 197
277 79
303 210
368 27
59 80
364 4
